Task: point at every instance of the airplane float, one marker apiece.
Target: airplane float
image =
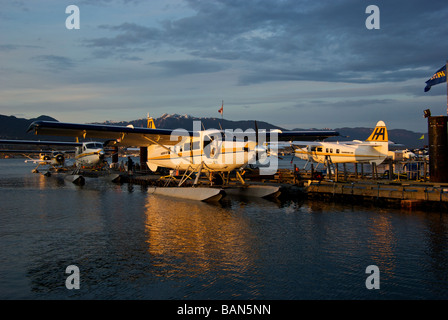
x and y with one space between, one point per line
198 151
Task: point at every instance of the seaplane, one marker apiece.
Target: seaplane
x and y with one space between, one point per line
87 154
373 150
51 158
192 152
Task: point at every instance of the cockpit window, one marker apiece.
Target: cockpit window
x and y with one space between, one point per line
93 145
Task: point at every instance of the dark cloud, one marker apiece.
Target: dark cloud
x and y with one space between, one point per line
130 35
300 40
11 47
55 63
177 67
107 2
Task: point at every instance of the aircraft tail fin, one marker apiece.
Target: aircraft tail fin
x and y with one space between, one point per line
379 134
150 122
380 140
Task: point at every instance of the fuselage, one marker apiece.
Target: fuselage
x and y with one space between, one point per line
373 150
89 154
210 149
342 153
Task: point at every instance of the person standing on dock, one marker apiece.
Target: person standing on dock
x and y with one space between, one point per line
130 165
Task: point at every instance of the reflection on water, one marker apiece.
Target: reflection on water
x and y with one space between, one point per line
202 234
382 244
130 244
194 239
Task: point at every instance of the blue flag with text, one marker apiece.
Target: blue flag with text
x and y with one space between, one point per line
438 77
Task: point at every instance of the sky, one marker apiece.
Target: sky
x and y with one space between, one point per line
292 63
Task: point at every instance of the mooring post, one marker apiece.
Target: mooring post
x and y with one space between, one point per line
143 158
312 171
115 155
438 148
391 169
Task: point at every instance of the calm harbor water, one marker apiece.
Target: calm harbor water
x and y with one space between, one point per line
130 244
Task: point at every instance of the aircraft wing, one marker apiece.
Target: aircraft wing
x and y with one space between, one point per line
41 143
306 135
122 136
291 136
284 144
26 151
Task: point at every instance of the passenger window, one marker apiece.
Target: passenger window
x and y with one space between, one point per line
196 145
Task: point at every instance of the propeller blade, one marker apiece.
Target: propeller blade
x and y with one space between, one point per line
256 132
256 140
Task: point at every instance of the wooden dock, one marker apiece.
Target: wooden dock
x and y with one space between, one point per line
403 193
407 195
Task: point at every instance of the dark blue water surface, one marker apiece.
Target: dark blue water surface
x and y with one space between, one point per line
130 244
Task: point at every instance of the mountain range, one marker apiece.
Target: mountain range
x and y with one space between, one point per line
12 127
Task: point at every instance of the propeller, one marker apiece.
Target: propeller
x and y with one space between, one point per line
256 132
59 158
256 140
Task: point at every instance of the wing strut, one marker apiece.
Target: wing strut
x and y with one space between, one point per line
165 147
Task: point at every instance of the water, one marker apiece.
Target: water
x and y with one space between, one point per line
130 244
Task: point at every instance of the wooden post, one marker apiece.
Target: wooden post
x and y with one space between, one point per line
373 170
143 158
391 170
115 155
438 148
312 171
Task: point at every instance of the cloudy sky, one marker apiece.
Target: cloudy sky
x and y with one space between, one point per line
293 63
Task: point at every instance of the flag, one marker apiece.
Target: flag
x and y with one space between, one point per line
222 107
438 77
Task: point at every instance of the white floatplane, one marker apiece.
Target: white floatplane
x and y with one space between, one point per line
373 150
86 153
53 159
193 152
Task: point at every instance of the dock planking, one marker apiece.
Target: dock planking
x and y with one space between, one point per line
411 194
